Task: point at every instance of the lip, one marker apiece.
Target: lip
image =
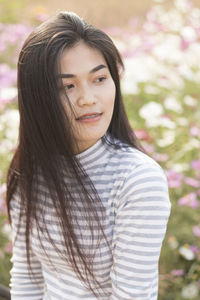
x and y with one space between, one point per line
87 118
87 115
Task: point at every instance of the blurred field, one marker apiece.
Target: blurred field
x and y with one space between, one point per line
101 13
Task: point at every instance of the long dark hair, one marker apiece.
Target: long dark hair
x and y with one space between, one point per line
45 136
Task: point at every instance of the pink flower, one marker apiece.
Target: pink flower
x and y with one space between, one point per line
196 231
142 134
174 178
130 52
192 182
2 188
195 131
149 147
195 164
147 43
177 272
8 248
184 44
158 26
189 200
160 157
3 101
13 35
197 29
194 249
42 17
8 76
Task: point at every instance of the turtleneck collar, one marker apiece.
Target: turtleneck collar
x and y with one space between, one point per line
95 153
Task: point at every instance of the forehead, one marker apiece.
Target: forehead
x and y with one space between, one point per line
80 58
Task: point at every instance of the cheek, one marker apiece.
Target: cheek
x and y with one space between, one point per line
110 98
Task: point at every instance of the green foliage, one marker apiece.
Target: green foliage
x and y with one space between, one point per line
5 264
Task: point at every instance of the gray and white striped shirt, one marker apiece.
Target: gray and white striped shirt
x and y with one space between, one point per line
133 189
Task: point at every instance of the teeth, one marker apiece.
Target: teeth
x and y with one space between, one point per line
89 117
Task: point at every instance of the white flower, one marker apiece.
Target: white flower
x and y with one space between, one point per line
6 229
160 121
191 56
182 5
163 82
172 79
179 168
169 45
188 33
166 122
119 44
151 110
176 82
10 124
12 132
153 122
197 77
6 146
134 41
186 72
190 291
172 104
173 19
192 144
186 253
10 116
194 17
8 93
182 121
150 89
153 13
168 138
140 68
190 101
129 86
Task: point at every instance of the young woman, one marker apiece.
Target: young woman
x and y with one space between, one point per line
88 207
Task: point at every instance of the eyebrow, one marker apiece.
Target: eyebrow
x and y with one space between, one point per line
97 68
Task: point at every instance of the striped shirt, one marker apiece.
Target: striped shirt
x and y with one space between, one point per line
133 189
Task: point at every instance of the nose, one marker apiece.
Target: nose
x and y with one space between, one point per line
86 96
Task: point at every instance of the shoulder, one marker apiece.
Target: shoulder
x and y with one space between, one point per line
131 159
143 180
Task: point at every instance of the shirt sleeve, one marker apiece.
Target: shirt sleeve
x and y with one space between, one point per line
140 225
22 285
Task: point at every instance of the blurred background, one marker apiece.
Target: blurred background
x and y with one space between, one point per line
99 12
160 44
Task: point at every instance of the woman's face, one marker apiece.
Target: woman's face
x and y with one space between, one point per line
91 92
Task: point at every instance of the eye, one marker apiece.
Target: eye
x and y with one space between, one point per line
100 79
68 86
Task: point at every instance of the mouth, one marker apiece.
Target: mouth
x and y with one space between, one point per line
89 116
